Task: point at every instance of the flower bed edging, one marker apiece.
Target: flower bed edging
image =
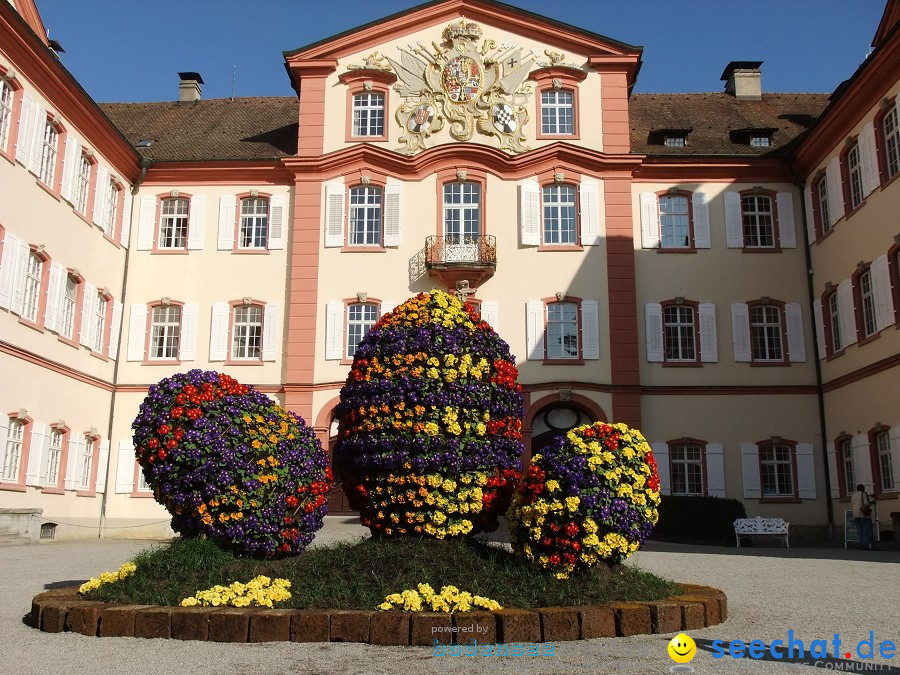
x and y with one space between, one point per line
65 610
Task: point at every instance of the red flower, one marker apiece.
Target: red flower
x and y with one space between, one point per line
153 443
571 529
555 560
164 429
162 454
292 501
171 443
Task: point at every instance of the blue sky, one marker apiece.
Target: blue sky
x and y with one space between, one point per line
131 50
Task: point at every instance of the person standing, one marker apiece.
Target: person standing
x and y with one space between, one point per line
861 504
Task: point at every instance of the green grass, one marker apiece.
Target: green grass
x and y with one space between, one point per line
359 574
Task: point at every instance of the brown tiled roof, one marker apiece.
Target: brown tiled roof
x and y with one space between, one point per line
719 124
213 129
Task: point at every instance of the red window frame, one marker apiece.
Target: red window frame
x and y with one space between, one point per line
845 488
784 339
20 417
238 226
692 244
15 114
888 108
792 447
148 334
680 443
348 302
776 232
826 298
91 489
573 361
548 181
856 280
846 177
157 234
230 359
44 257
821 224
367 81
878 485
695 308
58 488
557 78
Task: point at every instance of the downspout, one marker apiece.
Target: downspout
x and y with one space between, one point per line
145 164
815 331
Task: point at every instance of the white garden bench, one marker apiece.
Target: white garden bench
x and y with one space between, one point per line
744 527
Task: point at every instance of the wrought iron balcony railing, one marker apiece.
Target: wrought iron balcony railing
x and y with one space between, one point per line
461 251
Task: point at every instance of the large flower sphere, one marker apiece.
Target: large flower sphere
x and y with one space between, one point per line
430 434
230 464
590 496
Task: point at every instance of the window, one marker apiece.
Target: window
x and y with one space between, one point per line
360 320
562 330
99 321
776 465
69 304
821 214
82 184
766 333
867 303
674 221
165 332
365 216
686 467
54 452
760 140
559 215
33 273
462 212
834 323
111 209
6 108
12 454
890 130
557 112
87 461
846 463
368 114
758 221
254 231
852 167
173 224
50 140
246 340
884 468
675 141
680 333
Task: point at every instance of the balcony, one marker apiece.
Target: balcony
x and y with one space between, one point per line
459 257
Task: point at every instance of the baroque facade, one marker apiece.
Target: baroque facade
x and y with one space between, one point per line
719 270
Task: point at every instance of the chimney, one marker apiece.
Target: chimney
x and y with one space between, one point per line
189 89
743 80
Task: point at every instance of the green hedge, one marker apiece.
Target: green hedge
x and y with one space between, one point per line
698 518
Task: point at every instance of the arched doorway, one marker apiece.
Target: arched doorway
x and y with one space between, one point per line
555 420
337 500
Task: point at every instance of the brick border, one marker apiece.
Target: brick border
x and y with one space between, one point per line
64 609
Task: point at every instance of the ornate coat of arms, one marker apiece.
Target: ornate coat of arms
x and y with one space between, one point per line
473 88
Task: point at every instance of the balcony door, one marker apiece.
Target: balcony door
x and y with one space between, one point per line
462 222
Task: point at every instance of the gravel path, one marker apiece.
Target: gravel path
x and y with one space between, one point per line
814 592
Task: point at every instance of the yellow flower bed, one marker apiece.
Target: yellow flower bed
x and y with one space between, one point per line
258 592
450 599
125 570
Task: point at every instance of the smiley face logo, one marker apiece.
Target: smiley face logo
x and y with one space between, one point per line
682 648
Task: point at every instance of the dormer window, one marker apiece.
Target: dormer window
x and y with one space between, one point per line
669 137
755 137
675 141
760 140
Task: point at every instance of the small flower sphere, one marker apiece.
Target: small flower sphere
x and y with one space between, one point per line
590 496
230 464
430 434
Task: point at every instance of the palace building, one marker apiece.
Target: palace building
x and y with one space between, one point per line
719 270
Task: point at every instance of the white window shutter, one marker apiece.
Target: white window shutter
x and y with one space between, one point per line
787 230
225 235
750 470
137 332
334 330
73 459
125 461
490 313
835 190
734 221
661 454
653 322
334 215
810 216
649 220
88 307
700 207
881 287
534 310
796 341
23 253
40 440
709 344
847 313
591 212
102 465
218 332
530 213
392 214
197 223
894 440
126 217
868 160
37 138
277 209
44 478
187 343
73 153
806 471
387 306
740 331
715 470
101 188
8 269
55 285
114 329
820 329
590 329
862 460
146 223
270 332
832 472
26 127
